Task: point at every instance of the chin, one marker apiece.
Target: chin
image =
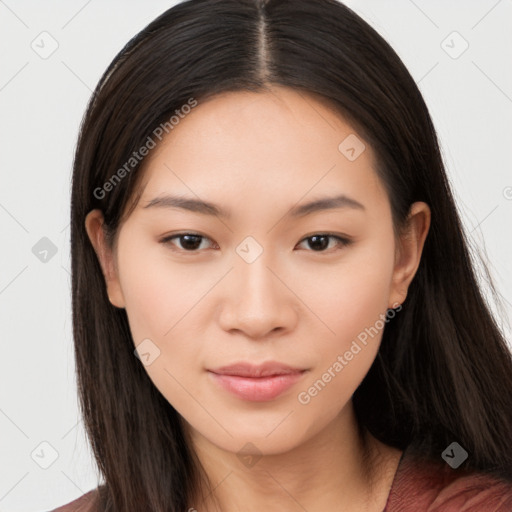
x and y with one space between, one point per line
265 434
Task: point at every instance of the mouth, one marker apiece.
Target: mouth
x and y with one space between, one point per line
257 383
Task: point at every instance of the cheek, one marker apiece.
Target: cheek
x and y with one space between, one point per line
159 293
162 299
159 302
352 305
350 296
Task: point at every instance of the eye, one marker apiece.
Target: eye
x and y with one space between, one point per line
194 242
188 242
319 242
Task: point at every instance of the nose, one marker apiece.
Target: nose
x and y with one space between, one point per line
257 301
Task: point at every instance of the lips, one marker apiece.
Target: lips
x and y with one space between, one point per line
257 383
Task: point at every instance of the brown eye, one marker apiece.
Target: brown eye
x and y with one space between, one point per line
319 242
188 242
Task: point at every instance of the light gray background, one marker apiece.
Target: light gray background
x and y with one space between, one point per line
41 104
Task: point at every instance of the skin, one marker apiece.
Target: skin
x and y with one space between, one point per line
258 155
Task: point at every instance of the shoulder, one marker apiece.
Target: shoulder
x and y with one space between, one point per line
477 492
85 503
422 485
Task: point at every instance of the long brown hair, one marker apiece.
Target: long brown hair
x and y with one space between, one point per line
443 372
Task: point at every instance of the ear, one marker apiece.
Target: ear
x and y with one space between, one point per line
408 252
94 226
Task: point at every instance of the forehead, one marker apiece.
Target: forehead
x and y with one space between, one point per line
282 143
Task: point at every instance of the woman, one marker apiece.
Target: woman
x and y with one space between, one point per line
274 305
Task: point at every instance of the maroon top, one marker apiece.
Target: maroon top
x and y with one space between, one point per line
418 486
433 486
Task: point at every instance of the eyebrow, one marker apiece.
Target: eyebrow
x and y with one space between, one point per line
208 208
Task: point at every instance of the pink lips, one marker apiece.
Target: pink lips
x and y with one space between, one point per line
257 383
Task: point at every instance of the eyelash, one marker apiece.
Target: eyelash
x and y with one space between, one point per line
342 241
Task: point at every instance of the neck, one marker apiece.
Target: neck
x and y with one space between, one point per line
340 468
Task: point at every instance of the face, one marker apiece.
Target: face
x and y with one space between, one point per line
256 276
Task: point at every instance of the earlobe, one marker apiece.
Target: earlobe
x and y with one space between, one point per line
409 251
94 222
